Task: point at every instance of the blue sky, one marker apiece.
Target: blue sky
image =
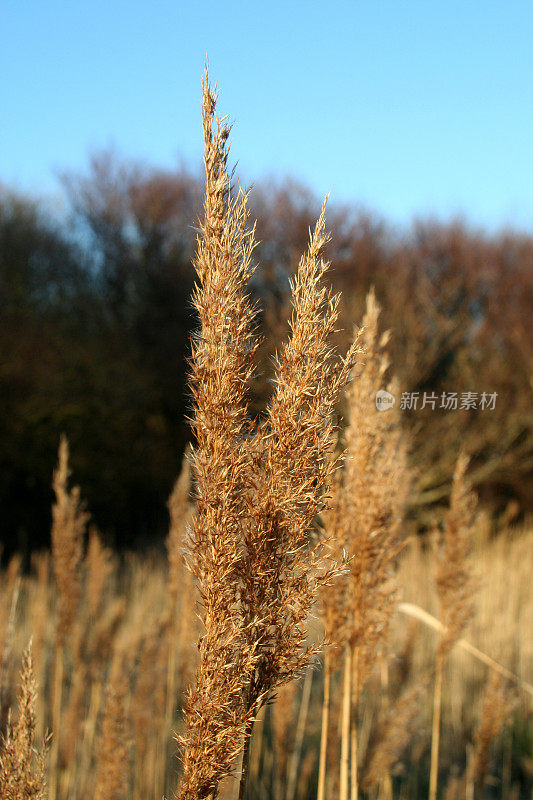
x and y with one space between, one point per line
410 108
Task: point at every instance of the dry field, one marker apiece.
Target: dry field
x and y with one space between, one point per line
117 722
299 640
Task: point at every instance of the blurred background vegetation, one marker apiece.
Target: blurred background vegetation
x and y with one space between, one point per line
96 319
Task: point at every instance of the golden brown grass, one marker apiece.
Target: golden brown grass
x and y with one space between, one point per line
22 765
455 589
500 626
496 709
364 524
124 666
113 760
259 486
68 528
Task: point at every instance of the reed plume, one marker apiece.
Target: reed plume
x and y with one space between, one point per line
455 584
99 568
293 466
181 588
13 584
69 521
391 736
364 523
132 622
216 715
113 770
372 500
497 706
148 708
258 489
22 765
455 588
180 512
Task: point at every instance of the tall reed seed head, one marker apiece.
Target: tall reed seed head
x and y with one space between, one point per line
22 765
98 567
113 762
392 735
222 363
69 521
455 583
180 511
497 708
367 508
258 487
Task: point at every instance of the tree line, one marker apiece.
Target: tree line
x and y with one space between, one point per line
96 320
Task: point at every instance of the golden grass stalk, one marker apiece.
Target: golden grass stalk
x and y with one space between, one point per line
373 498
257 746
293 466
39 612
7 644
296 750
496 711
99 647
112 777
354 696
72 718
282 721
134 611
216 715
416 612
179 510
148 710
22 766
455 590
332 614
345 729
69 521
98 568
435 730
391 736
321 792
180 583
258 490
364 523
